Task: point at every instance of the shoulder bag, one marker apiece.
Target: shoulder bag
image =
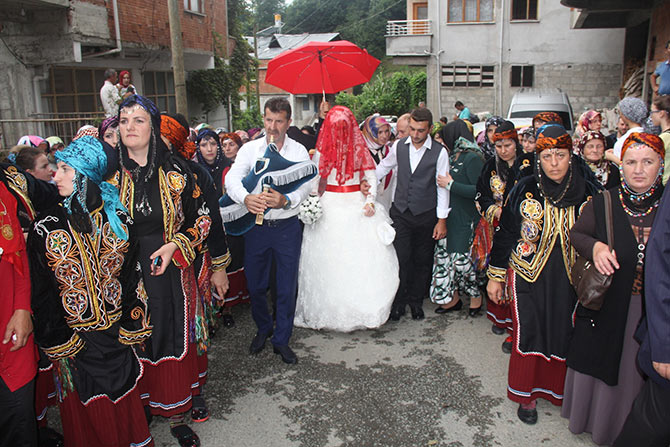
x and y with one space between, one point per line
591 285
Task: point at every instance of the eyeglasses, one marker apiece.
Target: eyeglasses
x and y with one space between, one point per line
656 111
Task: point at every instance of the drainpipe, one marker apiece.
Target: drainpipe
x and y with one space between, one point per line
645 77
117 31
502 51
438 69
38 96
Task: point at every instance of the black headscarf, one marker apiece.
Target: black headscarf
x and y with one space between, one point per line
488 147
220 163
453 131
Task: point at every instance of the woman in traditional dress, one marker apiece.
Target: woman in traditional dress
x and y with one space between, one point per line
453 270
590 120
109 131
348 276
533 240
592 149
88 303
527 139
209 154
495 182
603 379
237 292
487 144
377 134
171 219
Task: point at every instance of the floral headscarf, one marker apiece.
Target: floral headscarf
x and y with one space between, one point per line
488 146
648 200
370 130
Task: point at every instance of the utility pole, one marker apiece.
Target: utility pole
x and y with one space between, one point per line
258 82
177 57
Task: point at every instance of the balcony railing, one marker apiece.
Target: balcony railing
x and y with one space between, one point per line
64 125
407 27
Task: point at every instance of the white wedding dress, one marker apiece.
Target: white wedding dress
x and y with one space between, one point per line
347 277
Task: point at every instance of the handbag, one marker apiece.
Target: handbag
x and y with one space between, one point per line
589 283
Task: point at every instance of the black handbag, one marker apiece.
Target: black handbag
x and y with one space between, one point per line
589 283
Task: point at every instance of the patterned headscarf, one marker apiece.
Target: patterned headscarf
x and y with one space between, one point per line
30 140
87 157
341 146
488 146
548 117
370 130
178 137
646 201
112 121
586 118
86 130
600 168
552 136
232 136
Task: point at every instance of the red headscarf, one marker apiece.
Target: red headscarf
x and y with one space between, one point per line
178 136
231 136
121 77
586 118
341 146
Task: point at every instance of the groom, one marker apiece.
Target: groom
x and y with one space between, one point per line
278 238
419 210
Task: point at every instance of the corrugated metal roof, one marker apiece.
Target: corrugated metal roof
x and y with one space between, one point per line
271 46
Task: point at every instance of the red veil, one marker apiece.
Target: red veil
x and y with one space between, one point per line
341 146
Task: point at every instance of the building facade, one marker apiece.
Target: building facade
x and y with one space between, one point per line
54 53
481 52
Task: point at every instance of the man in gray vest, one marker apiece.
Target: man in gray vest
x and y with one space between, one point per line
419 210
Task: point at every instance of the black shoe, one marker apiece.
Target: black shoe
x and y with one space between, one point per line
497 330
454 308
228 320
417 312
258 343
397 312
199 411
474 311
287 354
527 416
185 436
507 345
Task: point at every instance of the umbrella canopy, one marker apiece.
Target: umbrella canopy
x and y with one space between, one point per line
321 67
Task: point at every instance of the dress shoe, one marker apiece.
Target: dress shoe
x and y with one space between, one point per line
454 308
474 311
507 345
287 354
397 312
258 343
527 416
417 312
497 330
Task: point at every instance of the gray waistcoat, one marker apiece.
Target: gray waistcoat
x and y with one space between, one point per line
416 190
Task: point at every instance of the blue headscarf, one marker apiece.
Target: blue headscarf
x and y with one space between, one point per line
87 157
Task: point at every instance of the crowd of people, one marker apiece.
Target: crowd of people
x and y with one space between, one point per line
125 250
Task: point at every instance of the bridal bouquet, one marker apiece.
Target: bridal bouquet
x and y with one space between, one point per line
310 210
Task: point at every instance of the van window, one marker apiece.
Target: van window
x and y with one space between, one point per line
531 113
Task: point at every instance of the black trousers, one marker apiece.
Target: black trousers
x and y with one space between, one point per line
648 423
17 416
414 245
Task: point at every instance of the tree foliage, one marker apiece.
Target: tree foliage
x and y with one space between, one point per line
261 13
362 22
395 94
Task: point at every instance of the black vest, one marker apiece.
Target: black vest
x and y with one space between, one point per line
416 191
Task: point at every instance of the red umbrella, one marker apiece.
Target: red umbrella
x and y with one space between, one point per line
321 67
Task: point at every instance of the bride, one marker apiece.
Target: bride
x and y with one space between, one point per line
348 272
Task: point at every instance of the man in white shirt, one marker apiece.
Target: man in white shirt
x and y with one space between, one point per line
109 94
279 237
419 211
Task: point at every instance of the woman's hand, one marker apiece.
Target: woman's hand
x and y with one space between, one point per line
165 253
609 155
365 188
604 259
494 290
444 180
663 369
18 329
220 283
369 209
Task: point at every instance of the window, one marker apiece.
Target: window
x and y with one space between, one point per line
74 90
524 9
470 11
159 87
305 104
522 75
467 75
197 6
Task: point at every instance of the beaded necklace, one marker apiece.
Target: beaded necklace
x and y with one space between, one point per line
641 197
554 202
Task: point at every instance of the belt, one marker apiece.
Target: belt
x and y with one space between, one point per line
276 222
344 188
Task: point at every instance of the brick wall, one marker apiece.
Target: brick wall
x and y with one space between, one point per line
587 85
145 22
660 32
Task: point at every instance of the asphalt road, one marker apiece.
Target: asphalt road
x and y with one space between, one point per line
437 382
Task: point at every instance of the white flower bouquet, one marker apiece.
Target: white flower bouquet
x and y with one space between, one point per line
310 210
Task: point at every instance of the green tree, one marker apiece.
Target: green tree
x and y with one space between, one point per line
261 13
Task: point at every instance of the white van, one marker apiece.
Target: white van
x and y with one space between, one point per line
528 102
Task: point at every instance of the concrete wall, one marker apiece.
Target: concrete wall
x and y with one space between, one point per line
585 63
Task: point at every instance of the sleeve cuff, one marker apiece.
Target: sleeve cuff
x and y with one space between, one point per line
185 254
490 213
496 274
129 337
221 262
68 349
442 213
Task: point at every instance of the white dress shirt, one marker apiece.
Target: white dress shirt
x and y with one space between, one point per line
245 162
109 96
415 155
